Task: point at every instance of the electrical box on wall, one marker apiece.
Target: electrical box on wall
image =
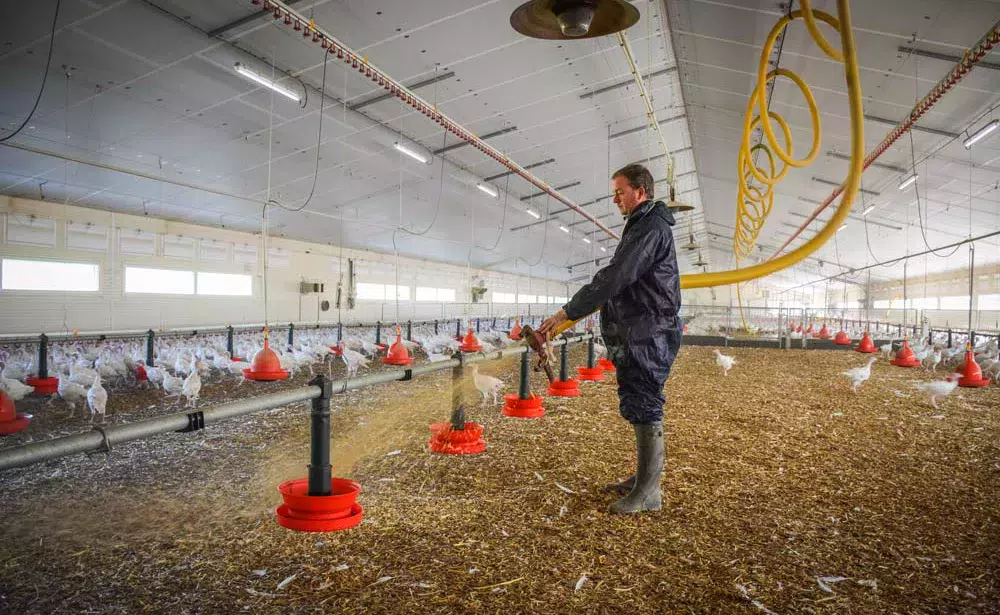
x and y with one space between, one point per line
306 288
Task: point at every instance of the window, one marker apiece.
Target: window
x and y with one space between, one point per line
560 300
924 303
382 292
989 302
427 293
49 275
159 281
881 304
371 292
229 284
542 299
525 298
955 303
503 297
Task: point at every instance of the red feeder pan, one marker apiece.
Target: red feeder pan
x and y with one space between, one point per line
337 351
866 345
530 408
515 333
43 386
824 333
564 388
809 331
470 343
398 354
905 357
684 329
140 373
842 339
606 365
448 441
266 366
11 422
319 513
590 373
973 374
798 329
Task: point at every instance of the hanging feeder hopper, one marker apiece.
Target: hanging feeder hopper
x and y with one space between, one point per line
905 357
398 354
266 366
470 343
824 333
972 374
842 339
866 344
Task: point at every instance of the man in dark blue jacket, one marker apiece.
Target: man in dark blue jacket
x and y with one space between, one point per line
640 292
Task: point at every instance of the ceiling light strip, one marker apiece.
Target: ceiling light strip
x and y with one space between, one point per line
376 75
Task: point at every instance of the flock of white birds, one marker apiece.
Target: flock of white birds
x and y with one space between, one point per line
931 356
87 368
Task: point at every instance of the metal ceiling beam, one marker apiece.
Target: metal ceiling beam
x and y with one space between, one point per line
252 17
627 82
563 187
830 182
417 85
947 57
530 166
933 131
488 135
852 217
881 165
631 131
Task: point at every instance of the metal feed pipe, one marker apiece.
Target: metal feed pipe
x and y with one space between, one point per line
962 68
104 438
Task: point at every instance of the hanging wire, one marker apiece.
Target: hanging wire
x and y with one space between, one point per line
503 219
920 215
319 142
45 76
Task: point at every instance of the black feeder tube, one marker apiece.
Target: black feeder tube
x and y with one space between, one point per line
409 330
524 384
378 332
229 340
478 322
458 327
590 352
435 326
340 332
564 363
320 472
291 334
457 407
150 336
43 356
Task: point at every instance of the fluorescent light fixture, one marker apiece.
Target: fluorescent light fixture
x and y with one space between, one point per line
868 210
267 83
903 185
534 214
490 190
585 240
603 249
842 227
564 229
981 134
411 152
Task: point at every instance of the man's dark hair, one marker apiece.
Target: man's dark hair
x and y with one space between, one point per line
637 176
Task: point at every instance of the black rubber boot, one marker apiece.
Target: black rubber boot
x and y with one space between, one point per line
646 494
621 488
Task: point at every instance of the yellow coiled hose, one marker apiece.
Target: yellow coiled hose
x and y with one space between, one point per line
755 192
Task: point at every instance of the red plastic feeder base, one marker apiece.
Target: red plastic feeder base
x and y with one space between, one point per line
398 354
236 359
266 366
606 365
448 441
530 408
337 352
515 333
905 357
11 422
866 345
250 374
564 388
43 386
319 513
470 343
842 339
590 373
973 377
824 333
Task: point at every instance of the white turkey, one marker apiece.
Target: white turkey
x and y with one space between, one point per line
191 388
939 388
353 360
97 399
724 361
859 375
71 392
487 385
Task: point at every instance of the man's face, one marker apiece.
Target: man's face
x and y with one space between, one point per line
626 198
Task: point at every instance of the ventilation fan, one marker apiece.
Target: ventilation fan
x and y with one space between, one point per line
569 19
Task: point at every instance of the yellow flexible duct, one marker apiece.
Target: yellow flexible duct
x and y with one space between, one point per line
754 203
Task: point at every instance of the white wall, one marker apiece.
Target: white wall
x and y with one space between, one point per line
111 308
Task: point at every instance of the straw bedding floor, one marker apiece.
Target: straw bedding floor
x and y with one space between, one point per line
786 493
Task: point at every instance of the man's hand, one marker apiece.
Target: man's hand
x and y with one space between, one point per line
550 323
